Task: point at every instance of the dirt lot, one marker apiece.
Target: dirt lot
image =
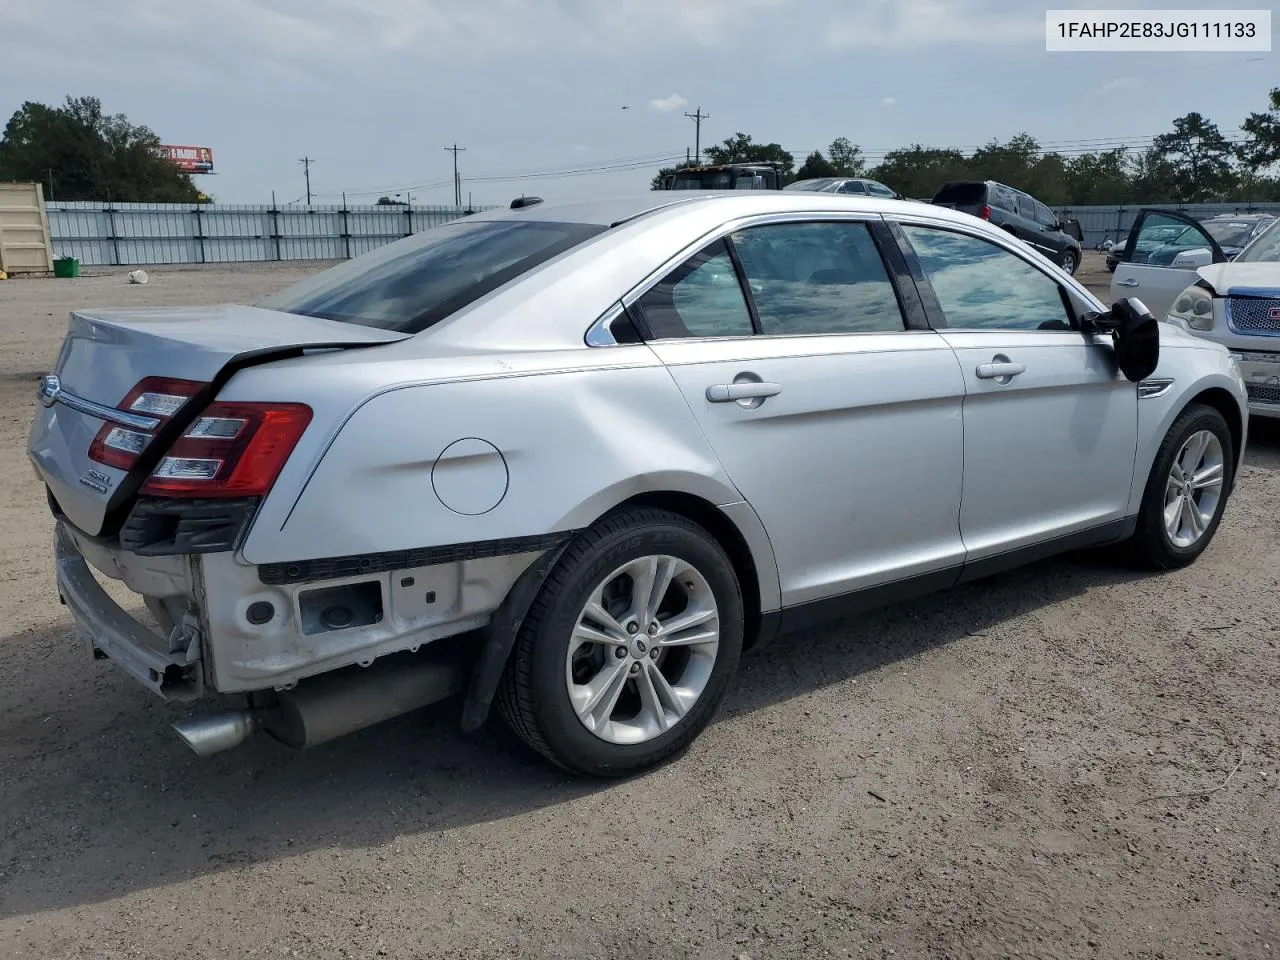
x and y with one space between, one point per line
985 773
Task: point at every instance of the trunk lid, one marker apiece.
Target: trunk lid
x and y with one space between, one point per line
108 352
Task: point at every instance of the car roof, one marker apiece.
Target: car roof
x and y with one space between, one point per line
1240 216
613 211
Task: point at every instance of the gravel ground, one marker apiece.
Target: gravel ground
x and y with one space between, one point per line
985 773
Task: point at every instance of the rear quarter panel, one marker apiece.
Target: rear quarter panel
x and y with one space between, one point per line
573 443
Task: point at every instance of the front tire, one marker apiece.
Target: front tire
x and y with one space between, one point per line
1070 261
1187 490
629 648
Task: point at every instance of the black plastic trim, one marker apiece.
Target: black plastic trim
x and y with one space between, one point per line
333 568
164 526
913 309
828 609
1105 533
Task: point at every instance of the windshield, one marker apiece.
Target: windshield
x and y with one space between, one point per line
418 281
703 181
809 184
1230 233
1265 248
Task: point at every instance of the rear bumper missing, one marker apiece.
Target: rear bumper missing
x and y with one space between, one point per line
170 667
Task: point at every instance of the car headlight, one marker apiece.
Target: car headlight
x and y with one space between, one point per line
1194 307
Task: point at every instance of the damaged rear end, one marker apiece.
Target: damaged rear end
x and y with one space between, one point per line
154 481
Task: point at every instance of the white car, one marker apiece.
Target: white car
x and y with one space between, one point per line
577 458
1235 302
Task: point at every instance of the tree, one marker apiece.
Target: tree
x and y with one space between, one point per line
1153 177
816 165
388 202
918 171
90 155
1200 159
1099 178
1264 149
846 158
740 148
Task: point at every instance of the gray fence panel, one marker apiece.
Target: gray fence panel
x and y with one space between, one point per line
1113 222
127 234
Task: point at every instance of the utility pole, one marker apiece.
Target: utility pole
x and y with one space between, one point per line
697 119
306 171
457 183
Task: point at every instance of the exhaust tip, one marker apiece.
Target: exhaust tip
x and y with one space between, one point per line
217 732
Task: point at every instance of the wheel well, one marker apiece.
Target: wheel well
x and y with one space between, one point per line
1225 404
706 515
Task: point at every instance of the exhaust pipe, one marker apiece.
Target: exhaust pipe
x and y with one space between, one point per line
334 704
216 732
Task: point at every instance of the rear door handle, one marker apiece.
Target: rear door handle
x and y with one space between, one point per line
1127 283
747 390
997 370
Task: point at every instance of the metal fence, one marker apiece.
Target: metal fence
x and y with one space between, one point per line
1113 222
100 234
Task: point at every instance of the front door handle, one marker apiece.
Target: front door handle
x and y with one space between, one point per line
1000 370
1127 283
743 390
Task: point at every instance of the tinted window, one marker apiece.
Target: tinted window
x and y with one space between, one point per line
1043 215
1162 238
962 194
983 286
700 298
1002 197
879 189
811 278
418 281
852 186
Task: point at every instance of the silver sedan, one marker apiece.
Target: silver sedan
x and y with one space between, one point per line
575 459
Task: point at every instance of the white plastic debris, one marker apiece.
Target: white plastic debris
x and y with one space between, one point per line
137 276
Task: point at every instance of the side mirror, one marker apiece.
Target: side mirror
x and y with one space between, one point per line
1199 257
1136 333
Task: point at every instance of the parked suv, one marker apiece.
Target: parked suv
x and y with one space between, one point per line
1020 213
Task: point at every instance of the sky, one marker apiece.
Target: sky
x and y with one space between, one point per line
595 91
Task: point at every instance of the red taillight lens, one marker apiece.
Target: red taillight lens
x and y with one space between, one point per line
985 214
156 397
231 450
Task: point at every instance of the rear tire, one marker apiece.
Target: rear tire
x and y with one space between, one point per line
604 682
1187 490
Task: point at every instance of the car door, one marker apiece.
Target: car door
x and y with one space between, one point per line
1160 258
1051 241
840 426
1050 423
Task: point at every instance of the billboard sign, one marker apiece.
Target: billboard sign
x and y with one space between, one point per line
188 159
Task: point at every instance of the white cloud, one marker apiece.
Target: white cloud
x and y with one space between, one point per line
888 101
667 104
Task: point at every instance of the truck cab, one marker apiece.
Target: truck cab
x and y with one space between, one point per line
726 176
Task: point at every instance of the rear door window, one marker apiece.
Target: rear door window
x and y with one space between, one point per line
416 282
700 298
814 278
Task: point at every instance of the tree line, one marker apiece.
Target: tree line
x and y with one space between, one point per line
80 153
1192 163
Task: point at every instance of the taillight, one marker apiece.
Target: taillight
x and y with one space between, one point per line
156 397
230 450
985 214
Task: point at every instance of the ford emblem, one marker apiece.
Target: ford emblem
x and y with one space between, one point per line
50 389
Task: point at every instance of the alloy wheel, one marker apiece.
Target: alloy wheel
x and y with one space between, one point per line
643 649
1194 488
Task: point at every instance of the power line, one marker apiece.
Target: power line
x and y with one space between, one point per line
306 172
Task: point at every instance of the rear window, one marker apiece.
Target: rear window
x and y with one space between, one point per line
964 194
416 282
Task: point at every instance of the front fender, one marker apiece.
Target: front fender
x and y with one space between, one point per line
1193 370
